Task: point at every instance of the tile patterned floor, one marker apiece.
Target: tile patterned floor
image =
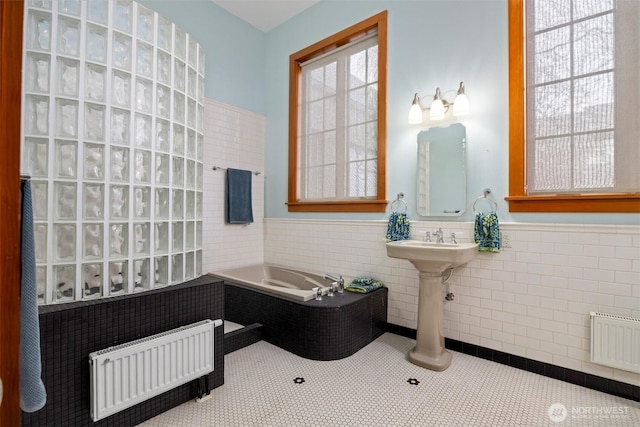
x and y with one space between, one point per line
377 386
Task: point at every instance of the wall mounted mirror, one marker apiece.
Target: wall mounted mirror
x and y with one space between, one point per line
442 177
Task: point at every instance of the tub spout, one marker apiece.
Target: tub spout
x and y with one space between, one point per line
338 280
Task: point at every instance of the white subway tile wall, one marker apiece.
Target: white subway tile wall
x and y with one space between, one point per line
531 300
234 138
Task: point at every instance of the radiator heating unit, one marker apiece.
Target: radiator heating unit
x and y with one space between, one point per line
127 374
615 341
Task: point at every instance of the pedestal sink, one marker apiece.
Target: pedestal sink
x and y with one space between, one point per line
431 260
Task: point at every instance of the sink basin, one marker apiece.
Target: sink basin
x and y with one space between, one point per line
431 257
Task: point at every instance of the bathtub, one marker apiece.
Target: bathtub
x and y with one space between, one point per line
282 281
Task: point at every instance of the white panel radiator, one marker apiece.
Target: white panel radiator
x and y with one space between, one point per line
127 374
615 341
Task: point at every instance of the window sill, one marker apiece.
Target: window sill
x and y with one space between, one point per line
341 206
605 203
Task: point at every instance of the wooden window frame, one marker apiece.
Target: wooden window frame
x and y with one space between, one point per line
341 38
518 199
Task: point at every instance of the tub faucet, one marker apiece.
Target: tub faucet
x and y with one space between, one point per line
339 281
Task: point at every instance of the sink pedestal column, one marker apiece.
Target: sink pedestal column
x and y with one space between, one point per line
429 351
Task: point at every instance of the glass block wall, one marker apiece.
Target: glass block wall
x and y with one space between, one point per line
112 139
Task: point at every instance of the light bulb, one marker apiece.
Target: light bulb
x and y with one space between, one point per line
415 112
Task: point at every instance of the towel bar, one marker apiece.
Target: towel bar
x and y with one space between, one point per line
215 168
486 192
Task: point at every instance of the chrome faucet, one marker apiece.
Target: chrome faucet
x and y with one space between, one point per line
427 236
453 238
318 292
338 280
439 235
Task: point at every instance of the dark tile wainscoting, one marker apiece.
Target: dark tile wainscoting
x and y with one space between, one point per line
69 332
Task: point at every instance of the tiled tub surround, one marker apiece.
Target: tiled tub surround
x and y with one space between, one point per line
71 331
329 329
531 300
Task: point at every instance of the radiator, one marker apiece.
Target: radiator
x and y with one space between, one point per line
615 341
127 374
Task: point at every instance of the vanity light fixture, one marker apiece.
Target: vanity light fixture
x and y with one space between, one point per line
440 106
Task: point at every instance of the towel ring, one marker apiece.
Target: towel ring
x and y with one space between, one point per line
399 200
486 192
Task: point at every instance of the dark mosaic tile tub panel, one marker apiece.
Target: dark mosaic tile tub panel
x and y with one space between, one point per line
330 329
69 332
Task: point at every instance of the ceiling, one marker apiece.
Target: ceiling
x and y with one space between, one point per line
265 14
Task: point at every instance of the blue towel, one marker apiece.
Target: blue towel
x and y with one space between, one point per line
487 232
239 209
33 396
363 285
398 227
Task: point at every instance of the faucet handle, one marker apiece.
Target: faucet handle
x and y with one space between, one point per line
453 236
318 292
427 236
332 287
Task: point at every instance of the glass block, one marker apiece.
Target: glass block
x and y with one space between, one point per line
122 13
178 139
189 236
177 175
198 263
98 11
41 283
189 265
66 118
142 202
144 95
118 239
192 83
198 234
141 275
199 176
68 36
39 30
164 68
161 237
141 236
179 71
162 135
180 46
161 274
93 201
144 59
38 72
92 239
118 277
178 107
164 33
40 240
193 52
37 115
70 7
162 169
178 204
96 43
200 121
120 129
64 279
190 174
121 54
66 201
121 89
143 131
40 196
119 202
91 280
66 159
200 89
94 117
43 4
145 24
191 144
95 79
68 74
189 205
200 60
64 242
163 101
162 203
198 208
177 268
93 161
143 166
200 147
36 157
191 113
119 164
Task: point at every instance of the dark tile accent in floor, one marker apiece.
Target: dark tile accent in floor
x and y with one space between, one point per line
616 388
69 332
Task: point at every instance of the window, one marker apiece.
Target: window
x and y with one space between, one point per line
337 129
574 96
